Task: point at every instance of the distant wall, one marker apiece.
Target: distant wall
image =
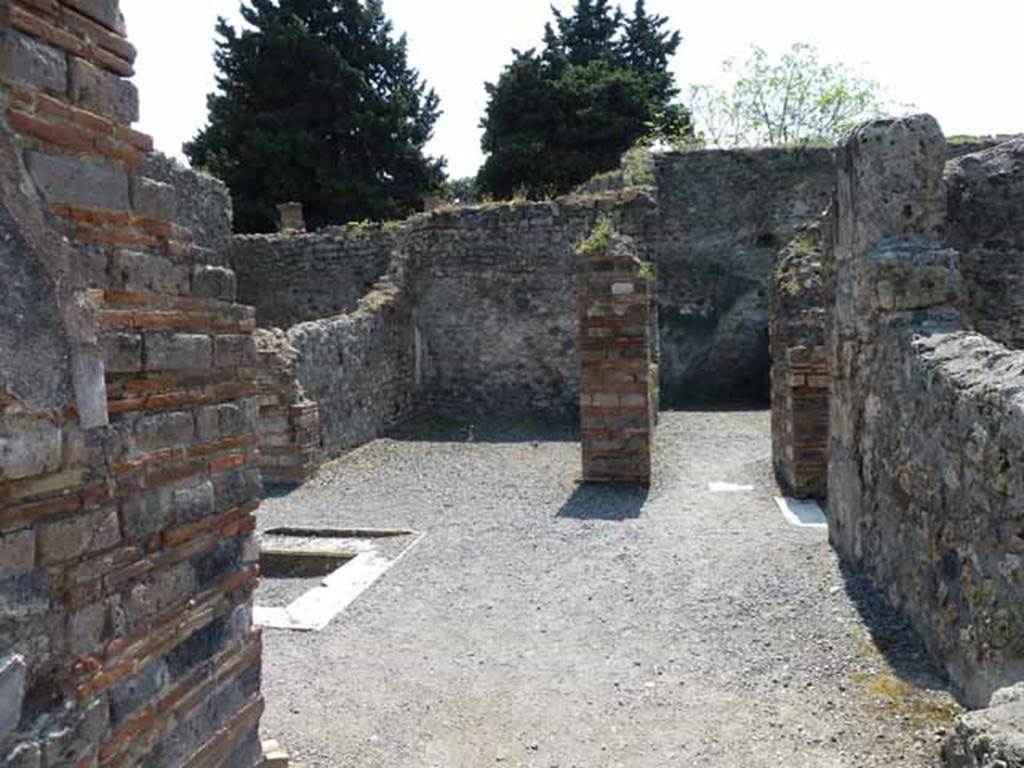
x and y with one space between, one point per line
359 368
493 286
475 312
494 300
723 218
293 278
986 225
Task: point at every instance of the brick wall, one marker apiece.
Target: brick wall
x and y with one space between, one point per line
618 403
800 375
127 423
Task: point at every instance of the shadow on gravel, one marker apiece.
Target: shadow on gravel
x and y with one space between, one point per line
605 502
892 634
505 428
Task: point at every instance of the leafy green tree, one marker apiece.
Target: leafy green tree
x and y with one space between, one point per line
796 100
317 103
599 85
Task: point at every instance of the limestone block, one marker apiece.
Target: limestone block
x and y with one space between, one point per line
79 181
104 11
146 514
122 352
214 283
100 91
88 376
192 501
78 535
154 199
17 553
910 276
235 351
29 62
29 445
164 430
178 352
148 273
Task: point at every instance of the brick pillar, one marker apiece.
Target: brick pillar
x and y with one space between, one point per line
800 373
618 393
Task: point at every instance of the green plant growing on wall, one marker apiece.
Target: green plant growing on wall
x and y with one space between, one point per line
600 239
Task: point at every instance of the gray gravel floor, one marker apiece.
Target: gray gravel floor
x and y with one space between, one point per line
548 625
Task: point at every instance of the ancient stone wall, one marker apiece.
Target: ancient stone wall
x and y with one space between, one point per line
476 312
497 281
986 225
294 277
494 301
800 376
289 422
723 217
618 379
127 423
360 368
926 489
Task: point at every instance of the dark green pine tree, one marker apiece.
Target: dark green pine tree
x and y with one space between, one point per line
317 103
601 83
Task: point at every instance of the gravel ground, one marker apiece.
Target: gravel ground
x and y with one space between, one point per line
544 624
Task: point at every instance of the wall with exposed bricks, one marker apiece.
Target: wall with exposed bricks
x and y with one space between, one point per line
618 401
800 373
712 221
127 423
474 310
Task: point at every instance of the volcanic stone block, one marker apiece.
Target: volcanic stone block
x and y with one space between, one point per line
99 91
122 352
78 181
104 11
234 351
214 283
164 430
148 273
29 445
79 535
178 352
154 199
32 63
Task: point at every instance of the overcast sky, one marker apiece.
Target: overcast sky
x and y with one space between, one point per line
961 62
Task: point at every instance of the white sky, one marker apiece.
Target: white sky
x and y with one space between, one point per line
961 62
